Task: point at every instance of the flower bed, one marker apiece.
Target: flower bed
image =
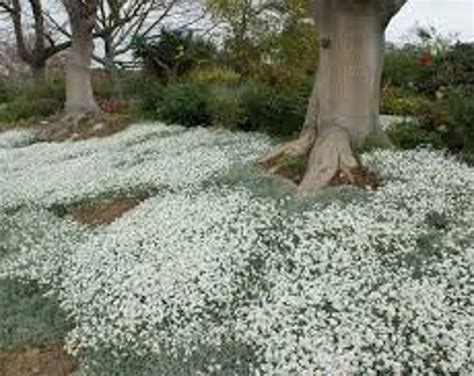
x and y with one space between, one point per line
222 271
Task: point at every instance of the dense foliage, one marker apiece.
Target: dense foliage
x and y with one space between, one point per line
187 80
221 271
173 53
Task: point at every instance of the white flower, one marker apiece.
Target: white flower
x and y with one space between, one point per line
362 282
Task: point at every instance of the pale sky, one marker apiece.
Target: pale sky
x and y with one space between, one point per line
450 17
447 16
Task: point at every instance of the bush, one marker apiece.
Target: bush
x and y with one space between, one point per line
215 75
184 104
452 118
410 136
147 94
27 100
173 53
226 108
397 102
402 68
21 109
459 135
278 112
5 92
250 106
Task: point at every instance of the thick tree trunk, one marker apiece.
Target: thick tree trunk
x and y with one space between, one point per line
343 110
79 94
350 68
347 90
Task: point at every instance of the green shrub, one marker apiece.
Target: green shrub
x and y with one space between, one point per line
173 53
459 135
148 94
5 92
402 68
214 75
452 118
397 102
23 109
27 100
280 113
225 107
410 136
184 104
247 106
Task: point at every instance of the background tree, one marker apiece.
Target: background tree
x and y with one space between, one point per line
344 107
265 32
120 21
82 19
173 53
35 48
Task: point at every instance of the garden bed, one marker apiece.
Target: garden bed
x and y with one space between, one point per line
221 269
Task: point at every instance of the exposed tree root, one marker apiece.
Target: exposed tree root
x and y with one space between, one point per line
326 161
282 160
81 126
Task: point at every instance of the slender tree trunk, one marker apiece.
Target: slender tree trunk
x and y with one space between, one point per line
111 67
79 94
38 71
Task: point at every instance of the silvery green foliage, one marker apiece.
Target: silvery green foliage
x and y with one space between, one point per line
156 156
382 283
36 244
16 138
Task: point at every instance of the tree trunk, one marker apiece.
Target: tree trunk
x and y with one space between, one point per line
38 71
350 69
343 110
79 94
348 89
111 66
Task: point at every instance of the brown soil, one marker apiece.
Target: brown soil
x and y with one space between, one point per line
293 173
75 128
47 360
361 177
102 213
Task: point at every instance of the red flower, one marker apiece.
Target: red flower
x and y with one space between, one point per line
426 59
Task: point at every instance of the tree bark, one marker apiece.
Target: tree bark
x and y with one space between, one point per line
350 68
79 94
38 71
343 111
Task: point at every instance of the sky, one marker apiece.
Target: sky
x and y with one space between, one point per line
449 17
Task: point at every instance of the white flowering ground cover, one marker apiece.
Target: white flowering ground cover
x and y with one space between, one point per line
222 271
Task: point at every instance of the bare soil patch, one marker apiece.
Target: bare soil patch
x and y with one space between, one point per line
75 128
47 360
104 212
360 177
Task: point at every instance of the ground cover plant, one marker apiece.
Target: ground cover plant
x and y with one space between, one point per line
221 270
